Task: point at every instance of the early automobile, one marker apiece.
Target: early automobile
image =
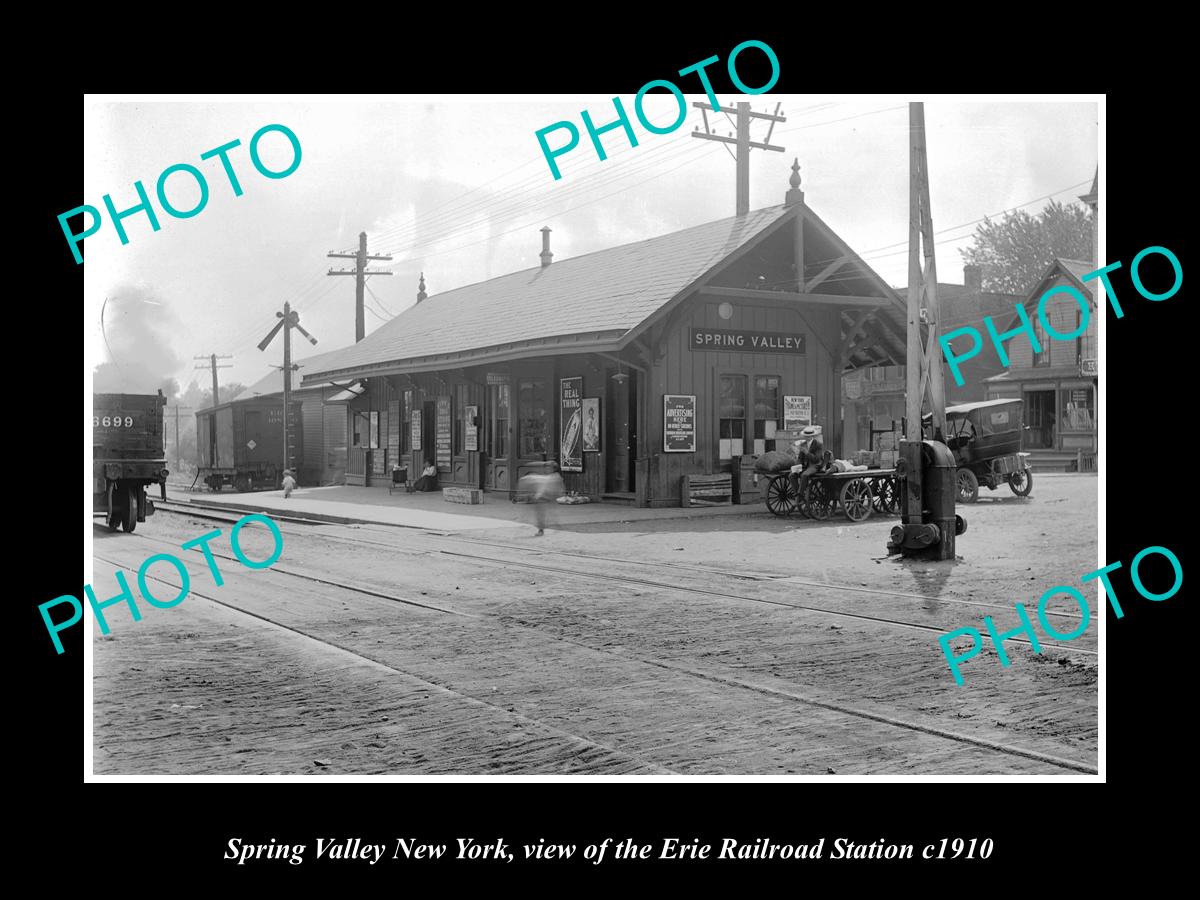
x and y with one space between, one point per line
985 438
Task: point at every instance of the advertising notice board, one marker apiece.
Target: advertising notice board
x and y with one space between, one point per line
571 407
442 433
414 430
797 413
470 432
679 423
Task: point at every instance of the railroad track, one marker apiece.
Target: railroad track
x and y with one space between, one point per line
576 742
727 680
672 569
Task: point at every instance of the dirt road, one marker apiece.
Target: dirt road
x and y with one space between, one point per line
730 645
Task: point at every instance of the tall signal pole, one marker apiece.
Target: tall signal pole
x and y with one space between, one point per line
287 321
924 370
360 274
178 455
741 141
212 432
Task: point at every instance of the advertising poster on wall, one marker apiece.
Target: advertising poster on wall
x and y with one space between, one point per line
442 434
797 413
679 423
591 425
571 443
470 432
414 431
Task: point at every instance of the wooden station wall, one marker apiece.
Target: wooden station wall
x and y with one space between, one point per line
683 370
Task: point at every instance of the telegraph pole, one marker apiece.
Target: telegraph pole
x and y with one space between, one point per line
178 456
212 434
742 141
287 321
924 370
211 359
360 274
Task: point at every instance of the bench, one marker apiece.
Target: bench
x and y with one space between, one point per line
470 496
706 490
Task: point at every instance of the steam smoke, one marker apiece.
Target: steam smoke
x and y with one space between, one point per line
137 326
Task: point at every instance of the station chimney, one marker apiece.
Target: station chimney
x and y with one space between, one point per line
546 254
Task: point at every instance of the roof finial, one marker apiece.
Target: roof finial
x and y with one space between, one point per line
421 295
795 195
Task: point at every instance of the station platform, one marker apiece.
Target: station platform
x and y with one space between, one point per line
430 512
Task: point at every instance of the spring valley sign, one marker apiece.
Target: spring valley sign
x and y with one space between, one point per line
729 341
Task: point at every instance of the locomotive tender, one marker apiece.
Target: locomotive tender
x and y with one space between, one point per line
127 456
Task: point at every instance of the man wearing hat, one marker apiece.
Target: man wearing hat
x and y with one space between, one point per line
810 455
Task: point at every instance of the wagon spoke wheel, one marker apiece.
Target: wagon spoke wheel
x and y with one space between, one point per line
1021 482
779 500
887 496
968 486
857 499
819 503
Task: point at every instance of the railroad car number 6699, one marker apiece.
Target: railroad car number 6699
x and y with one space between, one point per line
112 422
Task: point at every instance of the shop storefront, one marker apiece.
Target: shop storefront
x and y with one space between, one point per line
1057 380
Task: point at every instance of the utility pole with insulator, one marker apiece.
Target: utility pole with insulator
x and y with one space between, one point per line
360 273
288 319
741 141
216 400
178 454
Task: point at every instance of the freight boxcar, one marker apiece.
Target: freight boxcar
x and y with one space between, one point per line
127 456
241 443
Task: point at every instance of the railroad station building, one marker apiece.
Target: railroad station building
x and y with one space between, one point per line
631 366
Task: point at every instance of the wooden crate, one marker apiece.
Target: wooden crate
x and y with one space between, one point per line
706 490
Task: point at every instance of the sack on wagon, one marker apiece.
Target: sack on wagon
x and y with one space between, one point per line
774 461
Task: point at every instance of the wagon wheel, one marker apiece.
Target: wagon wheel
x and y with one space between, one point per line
780 500
857 499
887 496
129 517
242 484
1021 482
968 486
818 502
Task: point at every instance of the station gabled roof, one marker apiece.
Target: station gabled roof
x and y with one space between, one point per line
598 301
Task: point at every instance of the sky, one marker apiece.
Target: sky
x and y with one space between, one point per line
457 188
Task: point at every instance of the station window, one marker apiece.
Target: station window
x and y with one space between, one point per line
534 415
732 416
497 441
767 411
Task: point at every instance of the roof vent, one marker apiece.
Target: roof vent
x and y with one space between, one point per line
546 254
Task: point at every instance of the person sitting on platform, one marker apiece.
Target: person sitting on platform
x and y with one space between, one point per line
428 479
